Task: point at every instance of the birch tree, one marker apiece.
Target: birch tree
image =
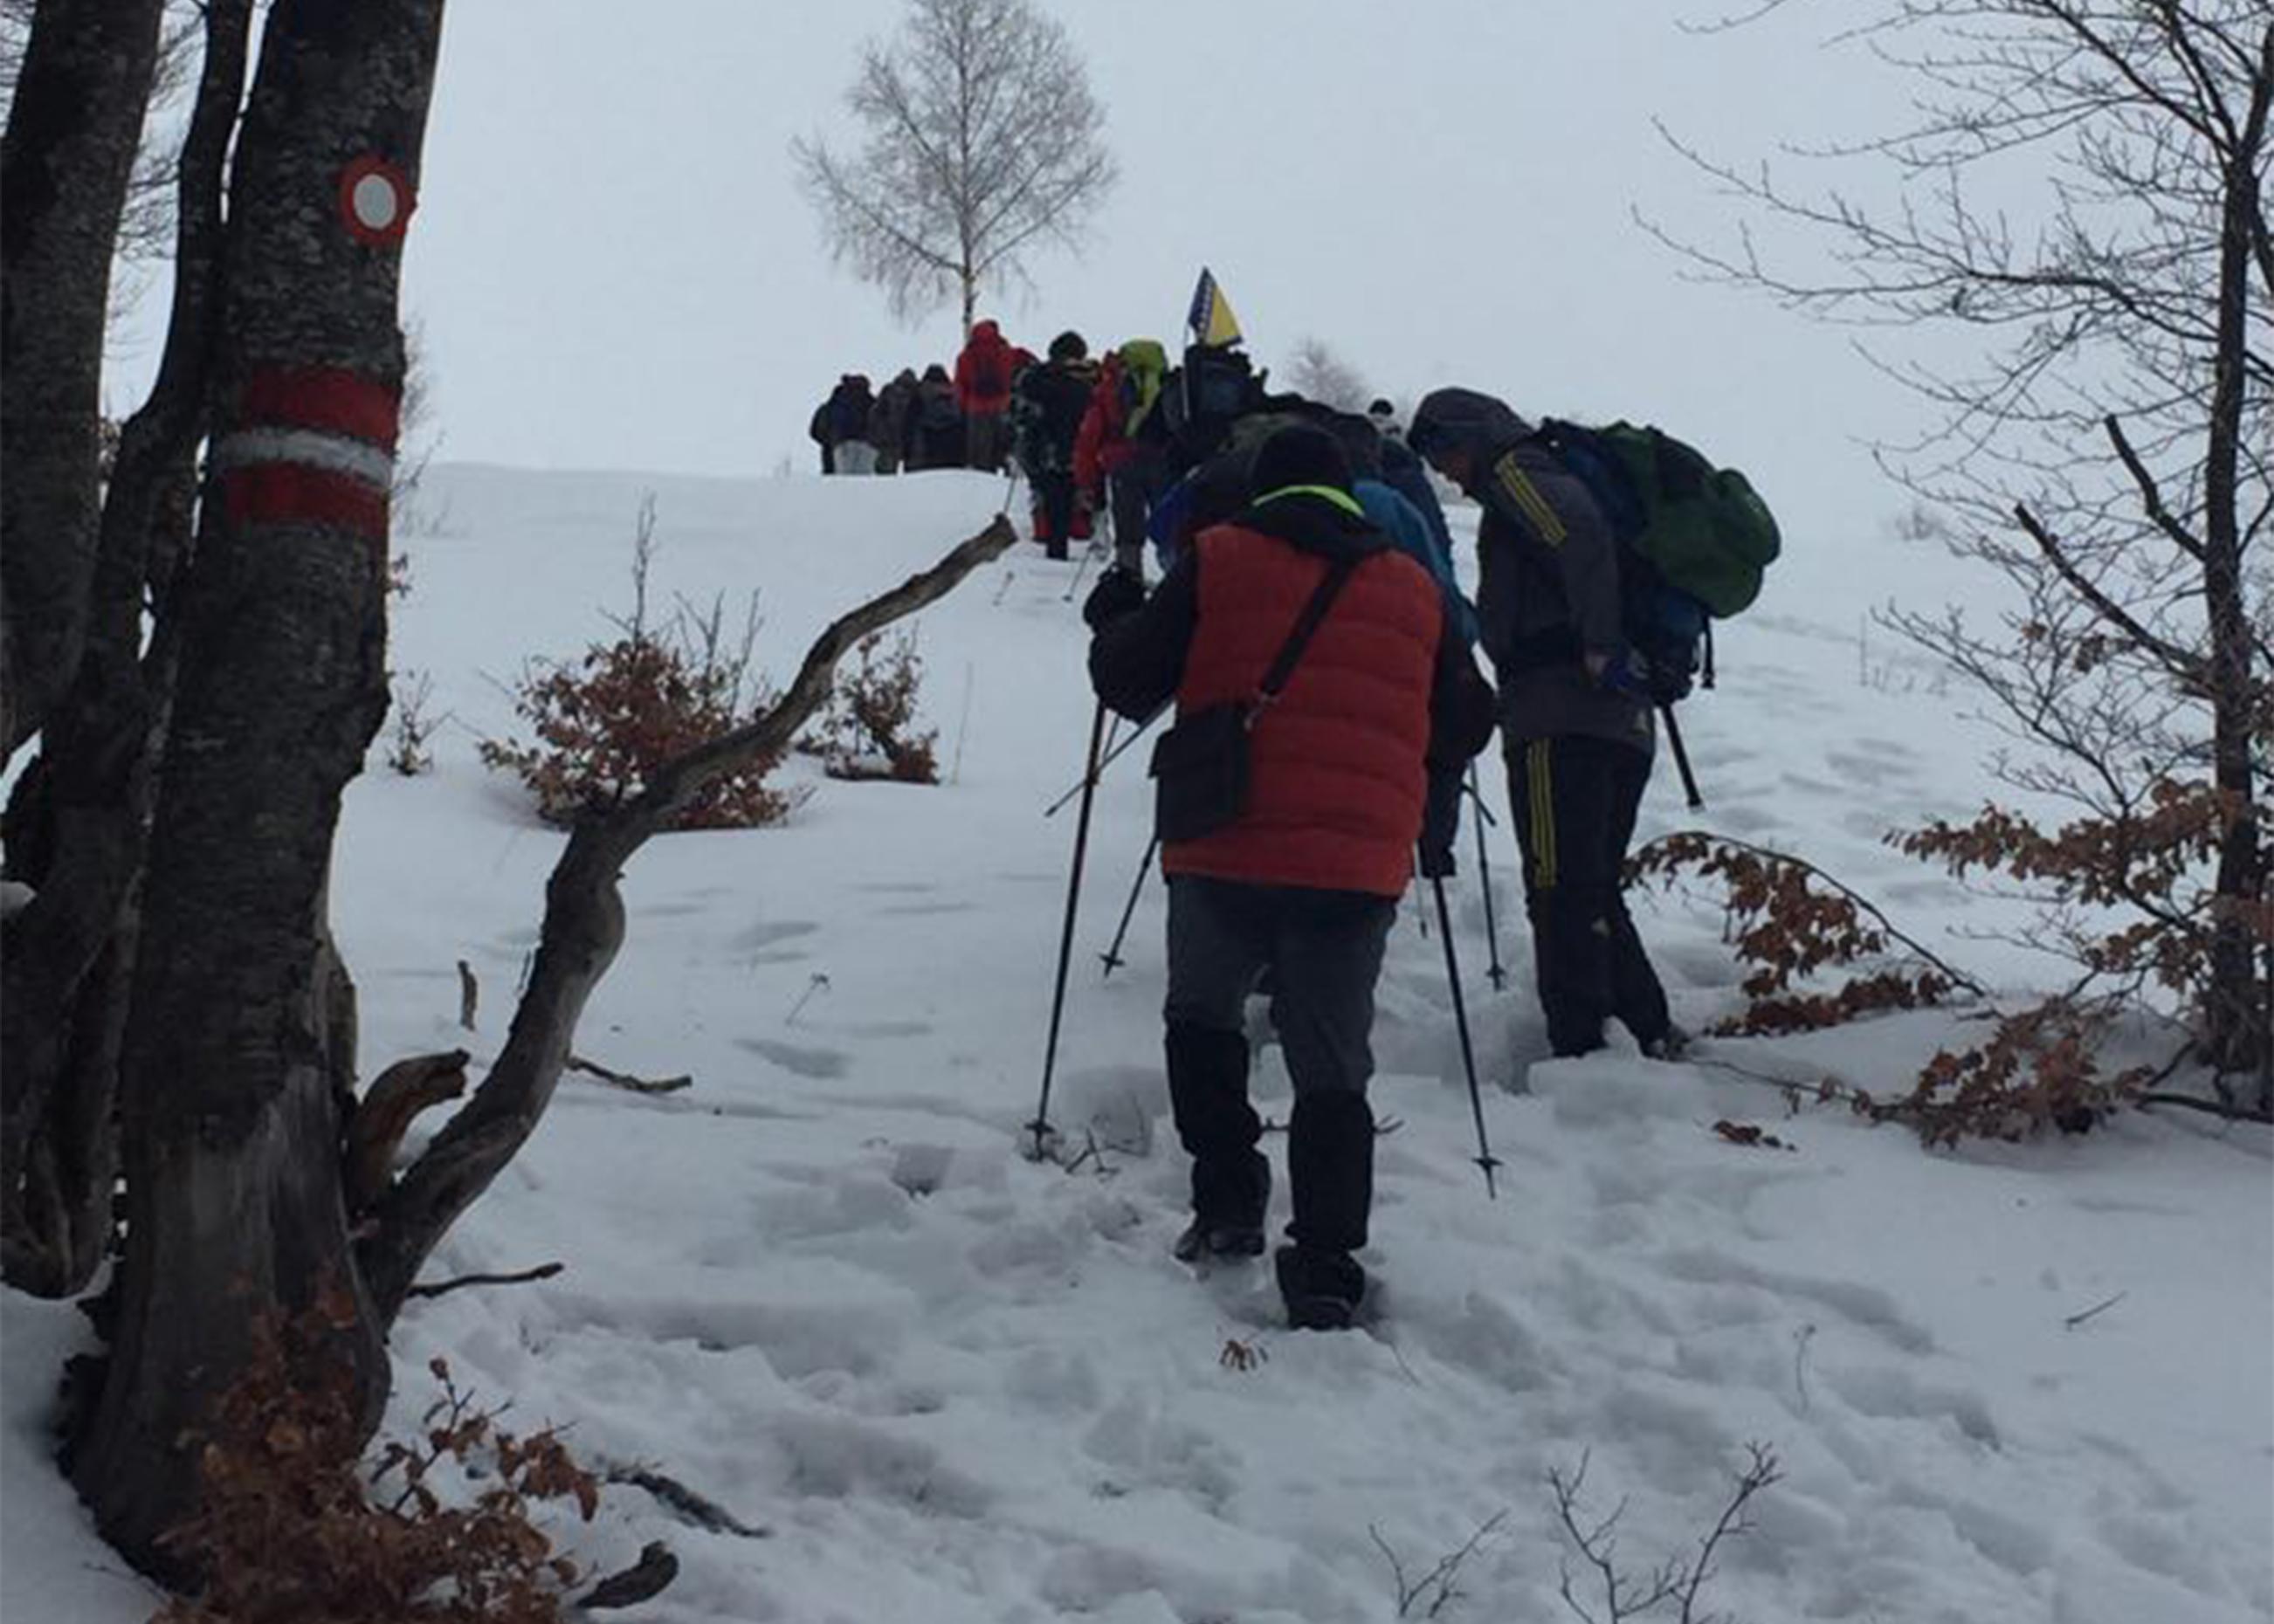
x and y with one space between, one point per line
982 143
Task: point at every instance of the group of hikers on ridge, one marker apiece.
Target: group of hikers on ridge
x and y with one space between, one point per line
935 420
1307 636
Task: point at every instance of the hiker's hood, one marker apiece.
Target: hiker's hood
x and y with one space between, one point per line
1463 419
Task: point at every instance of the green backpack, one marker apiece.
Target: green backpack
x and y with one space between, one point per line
1705 529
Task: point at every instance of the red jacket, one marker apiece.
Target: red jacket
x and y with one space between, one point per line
1099 448
1337 777
983 373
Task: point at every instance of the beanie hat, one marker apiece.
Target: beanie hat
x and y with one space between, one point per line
1299 455
1069 346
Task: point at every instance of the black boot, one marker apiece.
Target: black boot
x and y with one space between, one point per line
1322 1290
1330 1166
1231 1180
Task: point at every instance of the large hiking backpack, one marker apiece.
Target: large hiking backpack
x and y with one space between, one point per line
1694 540
1199 401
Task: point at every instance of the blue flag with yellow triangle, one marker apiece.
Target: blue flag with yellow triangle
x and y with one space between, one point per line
1210 318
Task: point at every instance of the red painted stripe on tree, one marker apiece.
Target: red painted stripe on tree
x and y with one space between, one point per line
327 398
295 493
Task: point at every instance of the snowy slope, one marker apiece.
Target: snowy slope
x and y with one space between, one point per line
823 1287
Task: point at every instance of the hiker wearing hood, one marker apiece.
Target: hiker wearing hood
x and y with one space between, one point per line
1575 724
983 372
1302 874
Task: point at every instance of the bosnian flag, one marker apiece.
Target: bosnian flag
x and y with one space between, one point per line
1210 318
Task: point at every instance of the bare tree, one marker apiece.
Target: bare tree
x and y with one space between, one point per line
2110 452
982 140
1320 374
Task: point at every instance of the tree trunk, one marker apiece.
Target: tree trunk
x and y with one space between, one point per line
72 132
240 1043
79 824
2237 1027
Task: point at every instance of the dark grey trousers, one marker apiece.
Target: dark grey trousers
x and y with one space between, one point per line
1323 949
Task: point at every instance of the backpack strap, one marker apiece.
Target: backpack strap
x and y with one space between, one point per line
1314 612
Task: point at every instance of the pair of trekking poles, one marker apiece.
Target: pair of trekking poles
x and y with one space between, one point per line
1101 755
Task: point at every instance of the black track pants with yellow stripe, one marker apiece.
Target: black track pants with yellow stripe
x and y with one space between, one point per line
1575 800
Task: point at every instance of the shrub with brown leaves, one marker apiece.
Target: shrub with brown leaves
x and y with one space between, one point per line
867 732
2038 1071
1787 921
605 723
294 1528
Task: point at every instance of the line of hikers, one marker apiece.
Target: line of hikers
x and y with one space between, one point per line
1308 631
935 420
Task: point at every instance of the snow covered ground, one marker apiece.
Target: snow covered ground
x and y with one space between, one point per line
822 1286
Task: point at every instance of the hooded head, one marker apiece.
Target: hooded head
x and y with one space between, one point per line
1069 346
985 331
936 373
1458 431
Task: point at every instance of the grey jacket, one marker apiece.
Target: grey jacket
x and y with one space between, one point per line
1549 596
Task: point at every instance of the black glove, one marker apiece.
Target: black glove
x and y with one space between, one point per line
1622 671
1118 592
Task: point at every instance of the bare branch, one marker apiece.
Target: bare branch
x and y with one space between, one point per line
584 926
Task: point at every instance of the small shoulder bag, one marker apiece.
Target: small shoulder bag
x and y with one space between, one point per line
1199 765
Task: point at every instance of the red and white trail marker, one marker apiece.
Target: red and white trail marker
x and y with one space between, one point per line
375 200
312 445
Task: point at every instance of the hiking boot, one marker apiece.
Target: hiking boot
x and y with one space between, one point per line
1322 1290
1204 1238
1671 1044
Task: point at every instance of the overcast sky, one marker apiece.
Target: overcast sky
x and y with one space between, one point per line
613 268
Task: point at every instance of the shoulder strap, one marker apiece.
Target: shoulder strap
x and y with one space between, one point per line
1308 623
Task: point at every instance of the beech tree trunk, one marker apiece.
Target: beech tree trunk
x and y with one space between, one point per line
2237 1023
73 130
78 824
239 1049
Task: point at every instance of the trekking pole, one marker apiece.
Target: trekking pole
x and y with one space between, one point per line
1496 974
1041 1126
1485 1159
1682 759
1079 570
1103 763
1112 955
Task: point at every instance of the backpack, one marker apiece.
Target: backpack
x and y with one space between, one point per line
939 413
1199 403
1693 542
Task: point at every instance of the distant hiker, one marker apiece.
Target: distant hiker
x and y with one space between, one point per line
1576 722
1047 403
1120 456
1383 415
1299 873
891 426
936 439
851 450
817 428
982 394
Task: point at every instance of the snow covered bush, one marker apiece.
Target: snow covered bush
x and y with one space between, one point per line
866 734
606 721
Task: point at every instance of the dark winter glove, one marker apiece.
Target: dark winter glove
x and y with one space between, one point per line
1441 820
1118 592
1622 671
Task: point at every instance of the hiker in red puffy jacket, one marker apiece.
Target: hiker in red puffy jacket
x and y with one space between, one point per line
983 372
1303 875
